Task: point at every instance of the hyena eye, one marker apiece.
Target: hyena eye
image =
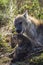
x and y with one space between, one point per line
20 22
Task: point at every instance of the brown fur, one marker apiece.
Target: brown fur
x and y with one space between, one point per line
37 22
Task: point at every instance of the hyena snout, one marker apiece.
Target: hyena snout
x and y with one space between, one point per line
18 30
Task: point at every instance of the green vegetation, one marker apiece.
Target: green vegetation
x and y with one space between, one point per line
4 46
10 8
37 60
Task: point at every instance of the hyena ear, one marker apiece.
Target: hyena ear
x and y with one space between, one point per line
26 14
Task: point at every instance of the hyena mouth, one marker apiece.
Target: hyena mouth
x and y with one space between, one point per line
18 31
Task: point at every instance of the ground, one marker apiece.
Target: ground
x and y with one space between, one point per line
35 60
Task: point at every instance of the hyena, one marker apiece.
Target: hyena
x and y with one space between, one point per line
29 25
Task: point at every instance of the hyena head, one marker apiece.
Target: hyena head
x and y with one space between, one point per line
24 24
21 22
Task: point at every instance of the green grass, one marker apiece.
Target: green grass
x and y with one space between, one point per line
37 60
